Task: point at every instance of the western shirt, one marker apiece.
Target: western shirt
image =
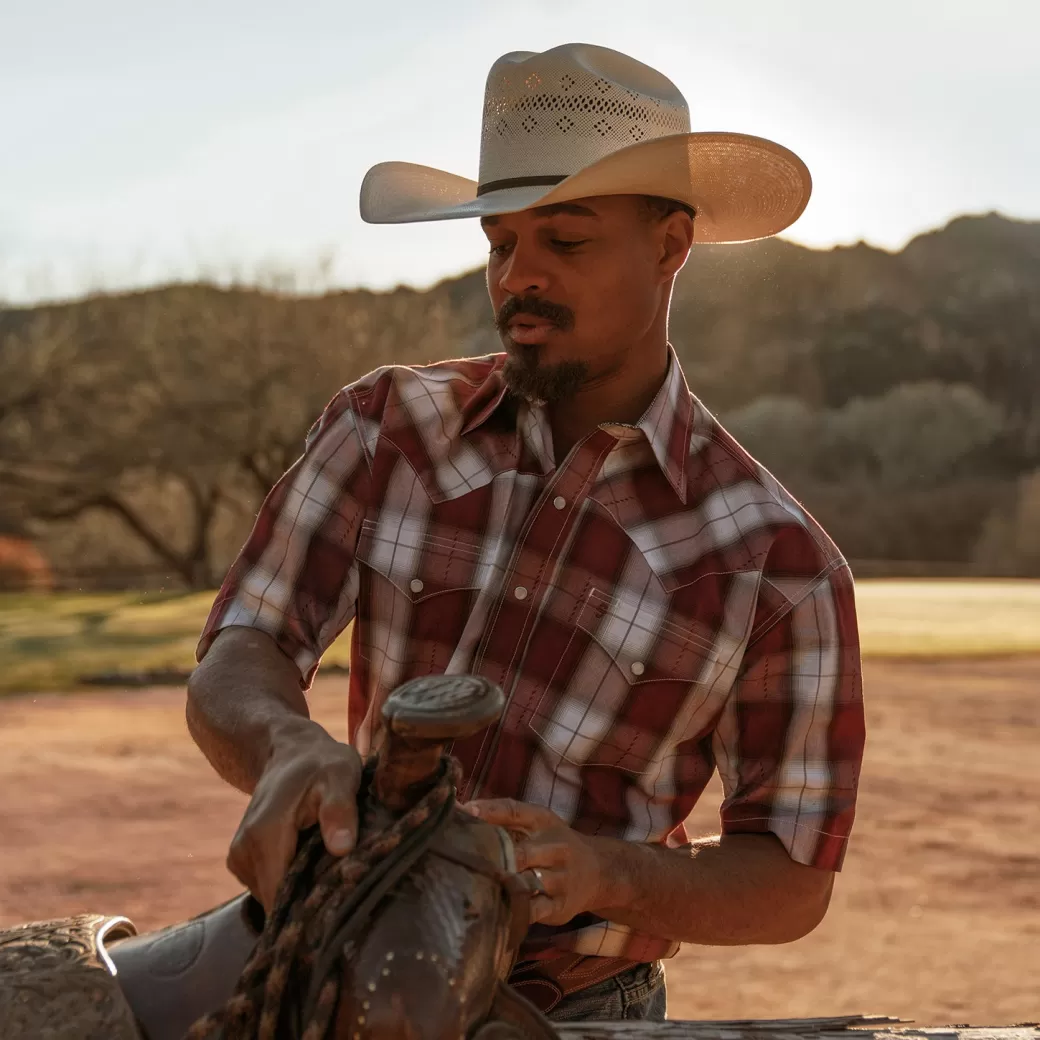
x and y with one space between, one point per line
655 606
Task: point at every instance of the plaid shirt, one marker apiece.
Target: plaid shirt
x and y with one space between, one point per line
655 607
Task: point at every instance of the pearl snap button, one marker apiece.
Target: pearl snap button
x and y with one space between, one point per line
416 585
638 668
559 501
520 592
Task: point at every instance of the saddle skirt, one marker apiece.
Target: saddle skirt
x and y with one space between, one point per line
57 982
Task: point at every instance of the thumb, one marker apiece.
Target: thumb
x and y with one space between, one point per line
338 818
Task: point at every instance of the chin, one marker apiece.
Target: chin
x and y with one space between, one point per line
543 381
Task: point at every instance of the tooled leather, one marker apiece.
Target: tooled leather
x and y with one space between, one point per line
55 985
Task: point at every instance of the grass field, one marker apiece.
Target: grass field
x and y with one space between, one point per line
49 642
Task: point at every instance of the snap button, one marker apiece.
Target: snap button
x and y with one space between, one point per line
416 585
520 592
559 501
638 668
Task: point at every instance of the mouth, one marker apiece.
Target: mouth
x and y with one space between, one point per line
529 331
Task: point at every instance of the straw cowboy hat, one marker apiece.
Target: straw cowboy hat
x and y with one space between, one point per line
580 120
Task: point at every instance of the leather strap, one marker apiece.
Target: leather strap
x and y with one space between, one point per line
546 983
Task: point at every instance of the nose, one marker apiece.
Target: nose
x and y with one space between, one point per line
521 274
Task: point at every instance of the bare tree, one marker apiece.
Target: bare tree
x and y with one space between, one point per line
166 410
94 432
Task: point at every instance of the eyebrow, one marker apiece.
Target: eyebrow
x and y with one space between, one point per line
570 208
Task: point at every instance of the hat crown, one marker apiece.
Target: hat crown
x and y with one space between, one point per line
550 114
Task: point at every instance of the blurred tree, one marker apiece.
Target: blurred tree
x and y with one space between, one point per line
865 353
915 434
171 408
784 433
897 393
1010 539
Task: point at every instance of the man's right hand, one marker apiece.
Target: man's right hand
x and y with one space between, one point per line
309 779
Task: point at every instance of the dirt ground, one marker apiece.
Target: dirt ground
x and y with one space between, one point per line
105 805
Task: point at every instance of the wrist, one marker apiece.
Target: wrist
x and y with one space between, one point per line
612 886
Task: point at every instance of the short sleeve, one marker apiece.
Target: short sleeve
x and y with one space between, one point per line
296 577
789 743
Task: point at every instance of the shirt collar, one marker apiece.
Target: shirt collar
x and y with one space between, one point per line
485 400
665 424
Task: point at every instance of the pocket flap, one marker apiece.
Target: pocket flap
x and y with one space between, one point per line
644 642
419 565
629 672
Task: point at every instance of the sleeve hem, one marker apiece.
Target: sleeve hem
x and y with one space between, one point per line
827 847
304 660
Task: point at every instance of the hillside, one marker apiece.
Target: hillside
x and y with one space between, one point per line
897 393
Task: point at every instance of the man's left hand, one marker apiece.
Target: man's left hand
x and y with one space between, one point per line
568 864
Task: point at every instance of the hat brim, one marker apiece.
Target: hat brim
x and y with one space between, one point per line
742 187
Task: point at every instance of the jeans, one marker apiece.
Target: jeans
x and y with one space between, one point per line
638 992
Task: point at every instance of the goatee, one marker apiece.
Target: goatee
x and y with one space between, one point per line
542 384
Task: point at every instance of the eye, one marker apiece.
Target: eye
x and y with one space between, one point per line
498 250
568 245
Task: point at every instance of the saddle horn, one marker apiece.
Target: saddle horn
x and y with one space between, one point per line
421 718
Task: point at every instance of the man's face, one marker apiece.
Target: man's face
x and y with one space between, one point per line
576 288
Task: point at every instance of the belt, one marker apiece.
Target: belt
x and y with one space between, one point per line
546 983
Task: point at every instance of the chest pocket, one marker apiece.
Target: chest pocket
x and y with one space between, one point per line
631 672
416 592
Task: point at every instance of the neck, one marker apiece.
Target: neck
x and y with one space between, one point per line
621 395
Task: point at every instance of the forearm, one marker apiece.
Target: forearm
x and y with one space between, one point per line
740 890
244 698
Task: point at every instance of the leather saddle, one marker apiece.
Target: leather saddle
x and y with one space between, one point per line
425 949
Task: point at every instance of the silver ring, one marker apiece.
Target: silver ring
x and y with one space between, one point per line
540 890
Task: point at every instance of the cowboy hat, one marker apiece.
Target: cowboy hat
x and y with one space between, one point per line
580 120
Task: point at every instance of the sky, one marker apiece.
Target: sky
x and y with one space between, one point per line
227 140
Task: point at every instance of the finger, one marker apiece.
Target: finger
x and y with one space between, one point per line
241 857
240 864
511 814
533 852
338 819
260 858
331 802
545 882
548 909
277 855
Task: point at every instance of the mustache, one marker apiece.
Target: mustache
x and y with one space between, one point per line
562 317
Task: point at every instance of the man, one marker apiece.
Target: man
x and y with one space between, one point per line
569 521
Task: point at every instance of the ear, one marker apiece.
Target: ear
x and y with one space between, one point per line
676 238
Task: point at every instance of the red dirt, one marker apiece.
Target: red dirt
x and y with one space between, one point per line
107 806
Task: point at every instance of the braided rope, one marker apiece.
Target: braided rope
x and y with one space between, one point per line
315 890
